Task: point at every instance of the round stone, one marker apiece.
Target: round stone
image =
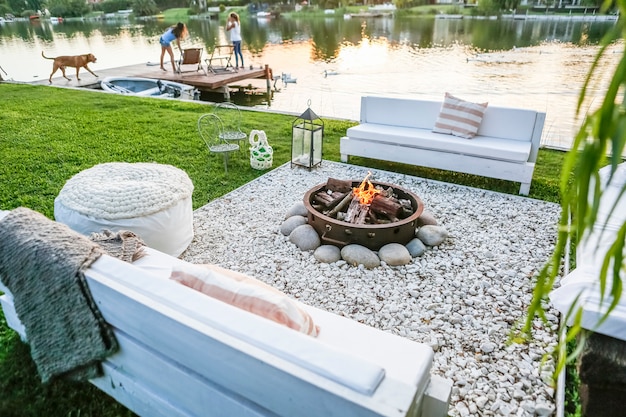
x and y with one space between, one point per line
327 254
394 254
416 247
305 237
359 255
291 223
432 235
298 209
426 218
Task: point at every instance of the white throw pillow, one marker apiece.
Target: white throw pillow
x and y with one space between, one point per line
459 117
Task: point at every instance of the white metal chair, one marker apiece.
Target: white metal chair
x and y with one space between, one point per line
230 115
210 129
223 55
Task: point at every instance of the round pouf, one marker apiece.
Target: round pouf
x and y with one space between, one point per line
151 200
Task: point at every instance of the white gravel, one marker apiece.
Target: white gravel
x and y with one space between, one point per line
461 298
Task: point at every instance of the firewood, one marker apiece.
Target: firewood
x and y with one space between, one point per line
338 198
342 204
328 200
386 206
356 211
342 186
322 197
362 216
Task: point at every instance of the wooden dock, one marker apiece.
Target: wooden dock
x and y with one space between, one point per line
209 81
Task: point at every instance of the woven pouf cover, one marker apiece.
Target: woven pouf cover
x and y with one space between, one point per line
152 200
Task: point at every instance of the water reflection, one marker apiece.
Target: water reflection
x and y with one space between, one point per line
537 64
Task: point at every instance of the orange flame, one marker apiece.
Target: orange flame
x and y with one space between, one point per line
365 191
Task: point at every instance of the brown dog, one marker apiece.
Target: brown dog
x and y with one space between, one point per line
75 61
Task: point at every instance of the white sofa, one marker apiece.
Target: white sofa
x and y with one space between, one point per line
581 287
183 353
400 130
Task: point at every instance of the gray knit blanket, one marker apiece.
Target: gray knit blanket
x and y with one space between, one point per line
42 263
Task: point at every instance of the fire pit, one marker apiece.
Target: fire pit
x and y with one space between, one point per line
371 214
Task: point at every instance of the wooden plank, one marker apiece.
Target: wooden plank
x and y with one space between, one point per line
140 378
133 395
211 81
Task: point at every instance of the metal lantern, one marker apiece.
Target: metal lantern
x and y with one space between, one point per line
306 142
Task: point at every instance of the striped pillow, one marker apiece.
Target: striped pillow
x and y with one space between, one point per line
247 293
459 117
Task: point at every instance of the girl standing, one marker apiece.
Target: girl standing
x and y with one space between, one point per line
234 26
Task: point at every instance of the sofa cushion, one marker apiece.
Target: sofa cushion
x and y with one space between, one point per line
246 293
481 146
394 111
459 117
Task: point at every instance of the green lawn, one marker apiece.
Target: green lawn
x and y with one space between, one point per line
49 134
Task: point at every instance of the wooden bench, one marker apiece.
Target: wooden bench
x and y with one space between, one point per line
400 130
183 353
222 55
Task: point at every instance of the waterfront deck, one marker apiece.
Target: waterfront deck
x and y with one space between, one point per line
213 82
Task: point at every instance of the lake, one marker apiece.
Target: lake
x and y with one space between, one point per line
537 64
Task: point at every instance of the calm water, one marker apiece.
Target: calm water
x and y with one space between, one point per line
534 64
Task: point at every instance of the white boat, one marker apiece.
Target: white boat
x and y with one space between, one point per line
149 87
265 15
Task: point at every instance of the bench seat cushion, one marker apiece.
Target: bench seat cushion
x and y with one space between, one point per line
480 146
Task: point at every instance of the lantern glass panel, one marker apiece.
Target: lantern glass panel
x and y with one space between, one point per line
316 155
301 146
306 149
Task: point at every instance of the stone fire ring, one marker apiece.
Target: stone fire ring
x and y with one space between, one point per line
424 232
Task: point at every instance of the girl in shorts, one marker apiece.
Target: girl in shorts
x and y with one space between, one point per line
174 33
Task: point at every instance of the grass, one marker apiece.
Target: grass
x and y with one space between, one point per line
180 14
50 134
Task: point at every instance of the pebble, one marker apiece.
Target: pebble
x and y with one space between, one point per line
297 209
394 254
416 247
432 235
359 255
305 237
327 254
426 218
438 300
291 223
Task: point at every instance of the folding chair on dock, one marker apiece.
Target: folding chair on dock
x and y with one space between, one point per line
221 54
190 56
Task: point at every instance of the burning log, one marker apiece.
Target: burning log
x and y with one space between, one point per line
356 212
386 206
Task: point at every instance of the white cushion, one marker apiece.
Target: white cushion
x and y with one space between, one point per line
459 117
152 200
581 288
482 146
